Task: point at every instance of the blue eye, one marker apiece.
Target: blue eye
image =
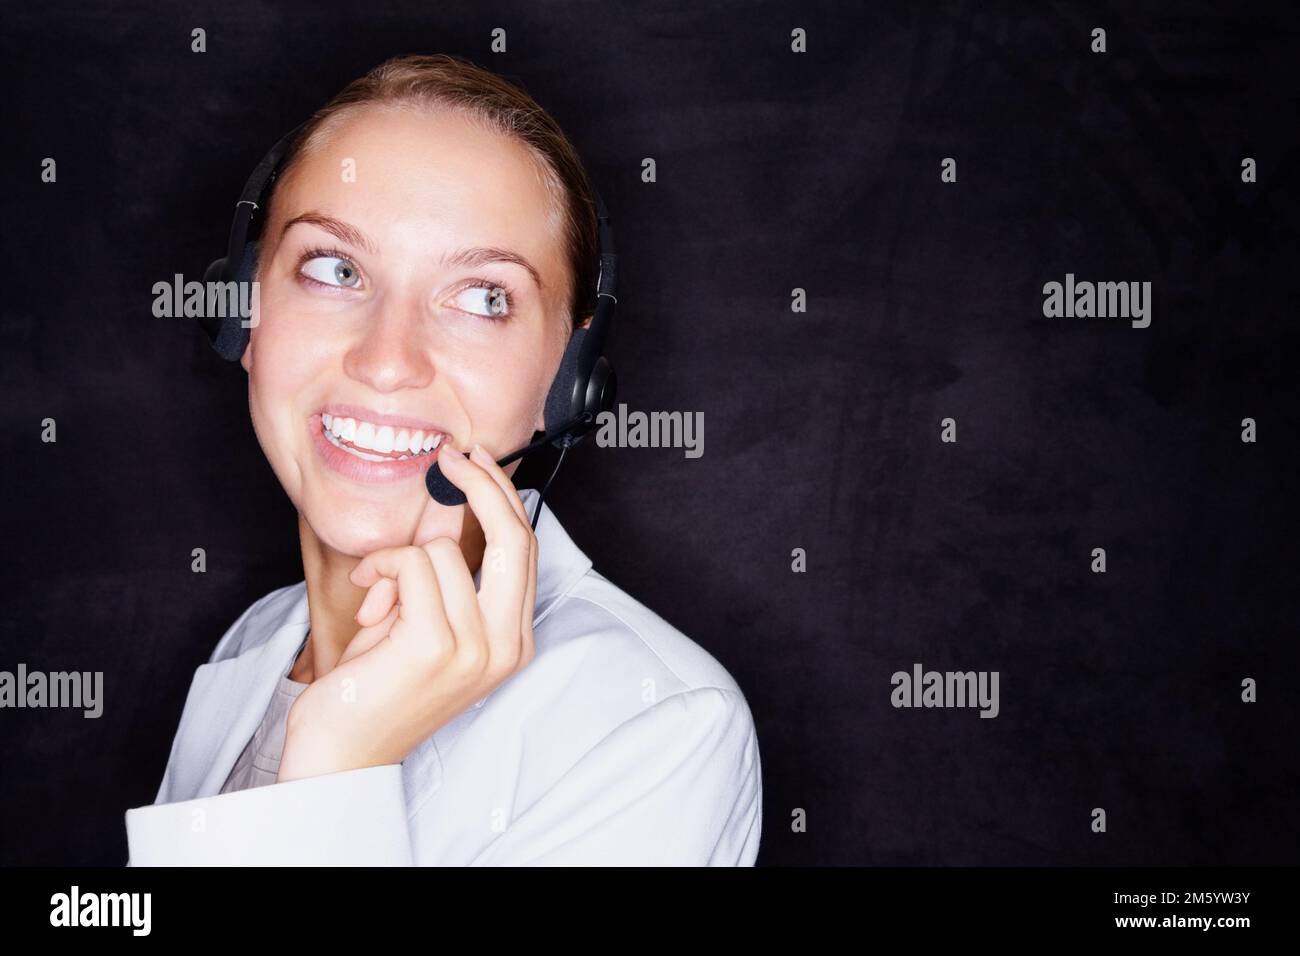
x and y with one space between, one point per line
332 270
490 300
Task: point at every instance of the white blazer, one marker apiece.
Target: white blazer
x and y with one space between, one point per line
622 742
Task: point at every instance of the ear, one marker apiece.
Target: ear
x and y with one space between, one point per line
248 272
539 419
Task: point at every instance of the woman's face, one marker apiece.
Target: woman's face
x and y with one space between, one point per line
377 314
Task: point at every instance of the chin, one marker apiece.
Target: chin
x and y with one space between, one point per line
358 537
362 526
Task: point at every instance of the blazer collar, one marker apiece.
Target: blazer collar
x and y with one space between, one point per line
230 696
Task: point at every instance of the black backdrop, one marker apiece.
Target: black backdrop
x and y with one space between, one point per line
775 171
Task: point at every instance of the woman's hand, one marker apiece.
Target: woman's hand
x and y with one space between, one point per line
429 645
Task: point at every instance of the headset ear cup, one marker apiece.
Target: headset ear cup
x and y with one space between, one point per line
232 337
559 400
247 263
603 388
210 323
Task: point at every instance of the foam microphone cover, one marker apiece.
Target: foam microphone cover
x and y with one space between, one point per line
440 489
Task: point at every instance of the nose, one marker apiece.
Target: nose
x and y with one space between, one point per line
390 354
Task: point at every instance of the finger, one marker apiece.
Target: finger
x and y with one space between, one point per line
480 455
456 585
438 520
529 604
368 637
378 602
504 573
496 496
421 622
529 609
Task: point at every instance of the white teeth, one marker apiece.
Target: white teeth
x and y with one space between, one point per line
353 451
392 444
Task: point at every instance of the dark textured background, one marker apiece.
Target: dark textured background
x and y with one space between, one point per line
775 171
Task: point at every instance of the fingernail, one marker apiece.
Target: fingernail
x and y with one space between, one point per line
479 454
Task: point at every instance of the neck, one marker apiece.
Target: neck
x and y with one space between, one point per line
333 600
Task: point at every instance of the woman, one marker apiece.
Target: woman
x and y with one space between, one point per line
446 686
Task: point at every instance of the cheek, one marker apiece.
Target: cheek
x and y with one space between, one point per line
504 397
288 352
285 362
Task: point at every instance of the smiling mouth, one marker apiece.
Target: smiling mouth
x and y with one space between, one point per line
371 442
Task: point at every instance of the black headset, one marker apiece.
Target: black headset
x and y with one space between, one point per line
584 385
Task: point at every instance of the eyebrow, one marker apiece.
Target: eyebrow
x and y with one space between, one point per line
336 227
478 255
468 257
